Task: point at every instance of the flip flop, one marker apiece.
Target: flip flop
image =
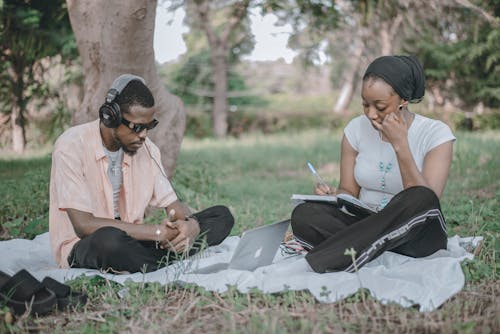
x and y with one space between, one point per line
22 292
65 297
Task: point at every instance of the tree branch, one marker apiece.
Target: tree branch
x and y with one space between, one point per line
239 11
202 9
394 26
467 4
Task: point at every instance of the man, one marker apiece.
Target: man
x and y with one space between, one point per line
104 175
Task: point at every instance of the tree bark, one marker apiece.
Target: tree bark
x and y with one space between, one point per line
219 112
350 76
18 107
18 136
116 37
388 31
385 39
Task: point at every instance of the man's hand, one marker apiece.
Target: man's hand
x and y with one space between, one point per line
164 233
188 231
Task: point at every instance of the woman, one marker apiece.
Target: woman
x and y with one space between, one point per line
395 161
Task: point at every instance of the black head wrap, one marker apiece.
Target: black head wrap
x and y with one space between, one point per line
403 73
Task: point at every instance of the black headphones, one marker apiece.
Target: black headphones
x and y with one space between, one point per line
110 113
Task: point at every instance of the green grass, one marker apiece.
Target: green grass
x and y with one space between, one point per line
289 103
255 176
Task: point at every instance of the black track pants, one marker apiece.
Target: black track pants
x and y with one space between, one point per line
110 248
411 224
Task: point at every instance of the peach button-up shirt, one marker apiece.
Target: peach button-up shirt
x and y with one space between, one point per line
79 180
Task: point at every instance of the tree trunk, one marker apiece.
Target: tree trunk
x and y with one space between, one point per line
18 137
350 76
219 111
116 37
385 39
388 32
17 124
218 40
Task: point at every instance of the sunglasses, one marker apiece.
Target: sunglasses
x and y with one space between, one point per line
138 127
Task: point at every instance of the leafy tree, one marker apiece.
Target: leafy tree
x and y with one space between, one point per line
192 79
461 54
30 31
349 32
115 37
226 28
458 40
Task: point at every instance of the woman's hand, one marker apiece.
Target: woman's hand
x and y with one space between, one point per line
394 128
324 189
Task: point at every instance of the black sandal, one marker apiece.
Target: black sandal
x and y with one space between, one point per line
65 297
22 292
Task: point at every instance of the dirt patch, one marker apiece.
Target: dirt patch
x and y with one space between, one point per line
484 193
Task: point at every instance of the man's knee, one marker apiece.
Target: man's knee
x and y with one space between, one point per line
215 224
219 215
225 216
107 240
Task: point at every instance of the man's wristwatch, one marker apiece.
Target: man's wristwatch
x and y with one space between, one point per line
157 232
194 218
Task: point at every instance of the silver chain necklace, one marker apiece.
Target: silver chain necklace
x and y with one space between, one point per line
115 168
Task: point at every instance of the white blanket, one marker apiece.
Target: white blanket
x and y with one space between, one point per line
427 282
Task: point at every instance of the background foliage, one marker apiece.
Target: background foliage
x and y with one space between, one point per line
458 43
461 54
30 33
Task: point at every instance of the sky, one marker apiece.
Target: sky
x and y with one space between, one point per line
270 40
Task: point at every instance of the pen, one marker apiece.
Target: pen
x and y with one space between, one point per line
315 173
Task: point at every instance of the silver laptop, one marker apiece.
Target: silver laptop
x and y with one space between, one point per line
256 248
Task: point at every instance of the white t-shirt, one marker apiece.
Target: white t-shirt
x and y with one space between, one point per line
376 168
115 160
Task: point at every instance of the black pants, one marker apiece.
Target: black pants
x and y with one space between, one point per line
111 248
411 224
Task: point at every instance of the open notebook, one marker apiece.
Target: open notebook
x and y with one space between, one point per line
347 203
